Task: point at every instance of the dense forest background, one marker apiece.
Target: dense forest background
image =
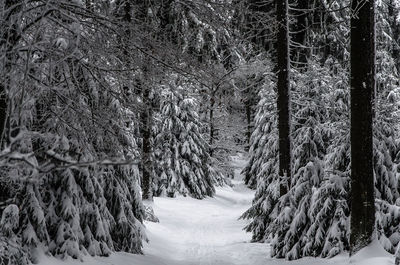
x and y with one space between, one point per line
105 104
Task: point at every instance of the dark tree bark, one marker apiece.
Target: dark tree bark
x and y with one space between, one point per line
283 96
133 12
146 116
362 82
147 163
212 127
124 14
249 119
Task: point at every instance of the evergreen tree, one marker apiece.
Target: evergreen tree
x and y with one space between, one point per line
264 121
329 211
73 132
326 225
183 161
10 251
263 168
309 142
385 145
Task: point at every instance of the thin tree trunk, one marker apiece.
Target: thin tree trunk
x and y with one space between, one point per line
147 164
142 90
362 96
212 128
146 123
249 119
283 103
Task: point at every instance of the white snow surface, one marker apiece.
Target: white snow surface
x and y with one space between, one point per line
208 232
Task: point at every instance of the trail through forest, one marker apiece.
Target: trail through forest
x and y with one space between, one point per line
208 232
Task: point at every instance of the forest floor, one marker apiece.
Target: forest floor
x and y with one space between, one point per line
208 232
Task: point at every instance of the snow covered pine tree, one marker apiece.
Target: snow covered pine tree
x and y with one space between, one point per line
183 161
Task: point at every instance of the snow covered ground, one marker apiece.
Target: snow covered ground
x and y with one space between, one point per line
208 232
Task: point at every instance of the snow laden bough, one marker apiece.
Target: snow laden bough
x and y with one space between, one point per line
73 213
183 164
67 210
10 251
313 219
262 170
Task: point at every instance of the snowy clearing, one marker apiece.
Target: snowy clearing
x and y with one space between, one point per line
208 232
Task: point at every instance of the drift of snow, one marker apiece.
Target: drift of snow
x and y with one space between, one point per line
374 254
208 232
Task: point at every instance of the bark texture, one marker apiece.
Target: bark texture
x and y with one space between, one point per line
283 96
362 82
147 164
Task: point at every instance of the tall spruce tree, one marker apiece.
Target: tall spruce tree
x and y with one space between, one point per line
309 148
264 167
328 219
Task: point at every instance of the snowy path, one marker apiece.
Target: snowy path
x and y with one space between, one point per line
206 232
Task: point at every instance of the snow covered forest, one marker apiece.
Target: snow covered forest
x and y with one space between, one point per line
199 132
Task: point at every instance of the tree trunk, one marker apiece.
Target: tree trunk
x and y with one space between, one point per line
212 128
283 96
362 96
147 164
249 119
142 89
146 118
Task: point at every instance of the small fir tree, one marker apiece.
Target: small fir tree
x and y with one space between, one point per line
182 155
